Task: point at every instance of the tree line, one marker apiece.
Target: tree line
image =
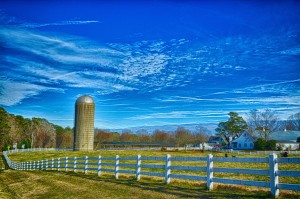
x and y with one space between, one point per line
35 132
181 136
38 132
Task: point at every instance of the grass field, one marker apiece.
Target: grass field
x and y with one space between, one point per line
52 184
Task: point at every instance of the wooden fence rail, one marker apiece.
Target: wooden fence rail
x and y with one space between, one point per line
162 167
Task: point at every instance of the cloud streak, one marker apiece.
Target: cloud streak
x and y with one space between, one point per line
61 23
13 92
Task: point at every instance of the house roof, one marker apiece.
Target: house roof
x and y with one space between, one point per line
283 135
214 139
248 138
287 142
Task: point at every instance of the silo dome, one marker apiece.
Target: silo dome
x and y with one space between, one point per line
84 123
85 99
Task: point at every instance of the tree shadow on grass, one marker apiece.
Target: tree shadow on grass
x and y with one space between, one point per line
182 189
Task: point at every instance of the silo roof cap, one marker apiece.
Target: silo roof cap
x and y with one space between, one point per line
85 99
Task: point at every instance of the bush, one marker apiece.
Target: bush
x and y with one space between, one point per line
163 148
280 148
260 144
271 144
7 148
26 142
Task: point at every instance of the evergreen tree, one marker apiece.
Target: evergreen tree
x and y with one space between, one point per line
234 126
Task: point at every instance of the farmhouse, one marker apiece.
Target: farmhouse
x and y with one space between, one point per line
287 140
215 140
287 145
244 141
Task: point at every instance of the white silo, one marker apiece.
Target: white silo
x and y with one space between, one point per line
84 124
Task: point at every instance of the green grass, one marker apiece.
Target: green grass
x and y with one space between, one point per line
20 184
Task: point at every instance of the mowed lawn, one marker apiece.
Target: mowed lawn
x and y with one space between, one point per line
53 184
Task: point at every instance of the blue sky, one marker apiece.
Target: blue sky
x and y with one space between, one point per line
149 62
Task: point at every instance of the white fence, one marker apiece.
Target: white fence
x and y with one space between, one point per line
162 167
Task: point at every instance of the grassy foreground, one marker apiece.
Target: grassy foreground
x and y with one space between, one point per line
41 184
52 184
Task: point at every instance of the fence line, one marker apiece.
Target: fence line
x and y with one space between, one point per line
112 164
158 149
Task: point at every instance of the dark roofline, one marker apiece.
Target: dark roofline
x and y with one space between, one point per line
157 144
287 141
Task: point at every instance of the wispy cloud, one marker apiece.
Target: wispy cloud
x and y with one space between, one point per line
179 115
52 61
290 87
13 92
61 23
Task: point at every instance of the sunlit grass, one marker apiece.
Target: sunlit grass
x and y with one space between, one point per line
261 192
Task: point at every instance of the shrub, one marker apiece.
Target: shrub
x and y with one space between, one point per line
26 142
271 145
280 148
260 144
163 148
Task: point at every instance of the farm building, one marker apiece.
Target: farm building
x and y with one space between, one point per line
287 145
244 141
216 140
286 139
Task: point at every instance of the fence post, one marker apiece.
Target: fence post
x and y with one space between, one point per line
52 164
138 167
66 164
75 162
117 167
273 174
34 165
209 172
168 169
58 164
47 164
86 165
99 166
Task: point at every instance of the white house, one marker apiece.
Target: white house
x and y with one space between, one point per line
287 145
244 141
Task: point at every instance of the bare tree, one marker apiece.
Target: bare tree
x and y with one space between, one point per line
44 133
264 122
4 128
144 136
200 136
128 136
183 136
293 122
103 136
161 136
